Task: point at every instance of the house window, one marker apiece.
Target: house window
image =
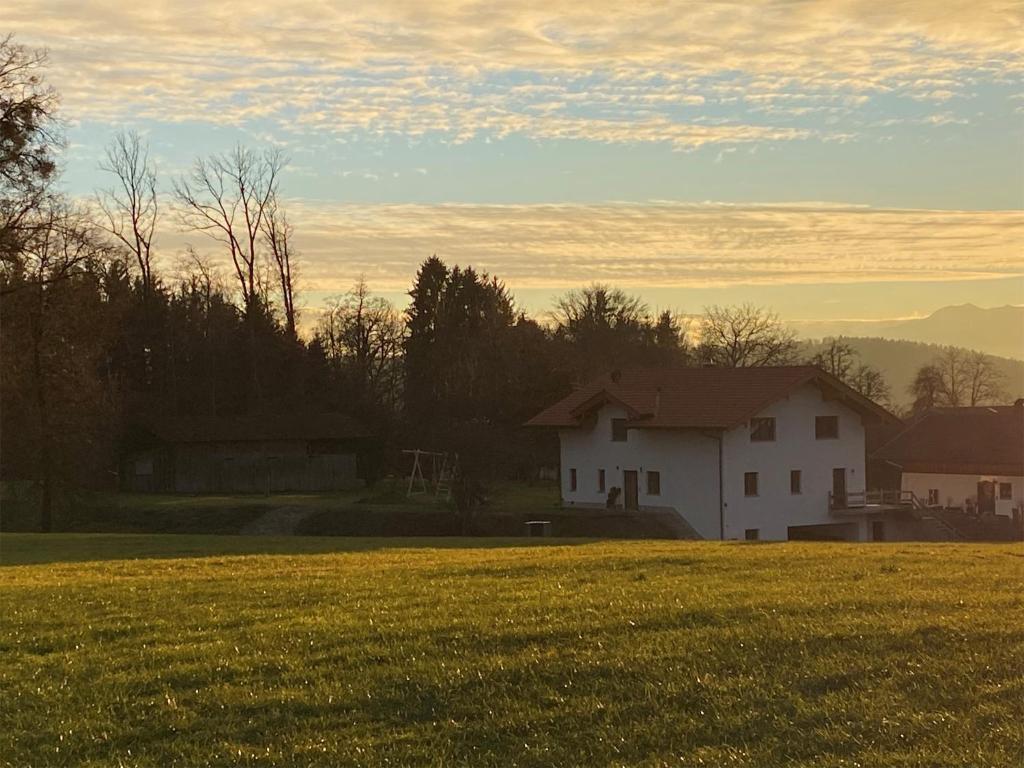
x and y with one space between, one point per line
619 430
933 497
1006 491
653 483
600 480
572 479
826 427
750 483
762 430
794 481
752 534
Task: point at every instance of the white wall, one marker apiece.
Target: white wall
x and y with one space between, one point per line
686 460
774 509
954 490
688 463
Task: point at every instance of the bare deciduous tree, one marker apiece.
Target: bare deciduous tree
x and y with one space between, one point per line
952 367
843 361
364 334
984 380
957 377
744 337
926 388
29 133
598 308
228 197
870 382
277 232
130 207
837 358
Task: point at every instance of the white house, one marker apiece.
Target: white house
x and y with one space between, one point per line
964 458
738 453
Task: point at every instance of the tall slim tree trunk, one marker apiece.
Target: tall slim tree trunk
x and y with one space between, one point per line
256 404
43 417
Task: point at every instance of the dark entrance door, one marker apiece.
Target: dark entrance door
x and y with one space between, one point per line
839 487
986 497
630 480
877 530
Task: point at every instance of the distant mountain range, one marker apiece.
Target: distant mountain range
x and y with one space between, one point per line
899 361
996 331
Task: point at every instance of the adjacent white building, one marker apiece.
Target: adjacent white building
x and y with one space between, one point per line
737 453
970 459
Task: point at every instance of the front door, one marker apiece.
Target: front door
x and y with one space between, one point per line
631 483
986 497
839 488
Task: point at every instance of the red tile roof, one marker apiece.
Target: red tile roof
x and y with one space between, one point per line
709 398
971 441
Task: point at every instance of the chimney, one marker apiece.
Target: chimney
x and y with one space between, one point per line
616 375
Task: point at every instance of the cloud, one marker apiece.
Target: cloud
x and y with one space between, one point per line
604 71
657 244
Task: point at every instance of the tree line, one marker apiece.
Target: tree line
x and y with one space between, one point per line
98 330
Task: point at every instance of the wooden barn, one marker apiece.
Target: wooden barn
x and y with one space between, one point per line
250 454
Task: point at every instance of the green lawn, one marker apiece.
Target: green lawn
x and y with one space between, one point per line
401 652
381 510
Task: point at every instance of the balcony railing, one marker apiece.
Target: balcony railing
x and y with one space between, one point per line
878 499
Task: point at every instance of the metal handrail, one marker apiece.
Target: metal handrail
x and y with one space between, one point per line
874 498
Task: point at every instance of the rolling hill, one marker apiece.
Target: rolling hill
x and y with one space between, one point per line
900 360
996 331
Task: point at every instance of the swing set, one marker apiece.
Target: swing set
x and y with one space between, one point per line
443 467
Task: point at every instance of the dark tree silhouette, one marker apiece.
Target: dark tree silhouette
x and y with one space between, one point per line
277 233
229 197
130 207
745 336
602 328
29 137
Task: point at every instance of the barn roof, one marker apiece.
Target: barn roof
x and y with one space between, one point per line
980 440
708 398
272 427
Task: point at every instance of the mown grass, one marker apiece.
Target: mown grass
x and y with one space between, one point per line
381 510
629 653
33 549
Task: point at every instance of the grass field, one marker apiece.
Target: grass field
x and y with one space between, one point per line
382 510
371 652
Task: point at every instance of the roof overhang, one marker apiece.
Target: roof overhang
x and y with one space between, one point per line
832 389
836 390
599 400
960 468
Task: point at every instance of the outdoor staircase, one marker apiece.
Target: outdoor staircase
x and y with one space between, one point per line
911 498
941 530
969 528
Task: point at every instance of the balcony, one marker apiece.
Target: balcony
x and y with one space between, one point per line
868 502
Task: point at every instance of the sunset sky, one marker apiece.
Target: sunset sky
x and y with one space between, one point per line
831 159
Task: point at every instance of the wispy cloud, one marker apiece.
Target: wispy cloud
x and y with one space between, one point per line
604 71
653 244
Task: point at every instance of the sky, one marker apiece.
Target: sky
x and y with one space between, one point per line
830 159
